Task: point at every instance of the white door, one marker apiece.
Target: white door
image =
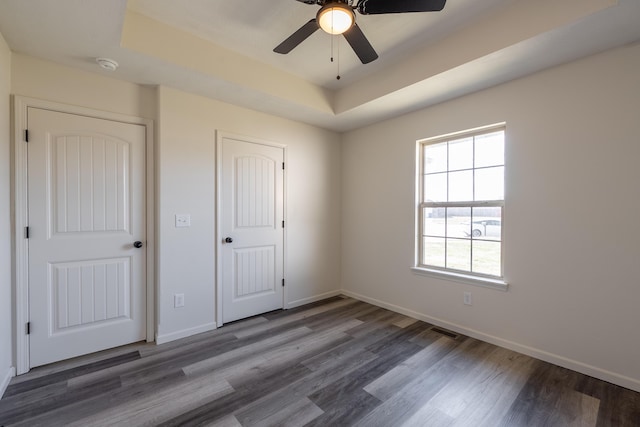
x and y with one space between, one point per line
251 223
86 198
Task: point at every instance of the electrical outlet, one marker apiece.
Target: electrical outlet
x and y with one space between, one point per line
183 220
467 298
178 300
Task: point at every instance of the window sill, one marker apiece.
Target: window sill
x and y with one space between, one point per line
484 282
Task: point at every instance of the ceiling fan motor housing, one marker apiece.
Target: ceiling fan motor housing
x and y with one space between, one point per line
338 17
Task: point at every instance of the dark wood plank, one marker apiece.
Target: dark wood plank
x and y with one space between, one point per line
19 413
172 359
230 403
346 411
159 405
389 384
482 394
619 407
279 369
336 362
273 315
104 399
65 375
549 398
332 369
345 400
425 384
298 413
300 317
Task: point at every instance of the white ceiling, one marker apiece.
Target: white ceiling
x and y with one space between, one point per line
254 28
223 49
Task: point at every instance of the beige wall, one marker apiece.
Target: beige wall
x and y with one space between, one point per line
185 151
572 205
6 346
571 216
45 80
187 172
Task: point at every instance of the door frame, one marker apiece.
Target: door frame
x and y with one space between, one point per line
220 135
21 105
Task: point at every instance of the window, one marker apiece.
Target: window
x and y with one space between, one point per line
461 204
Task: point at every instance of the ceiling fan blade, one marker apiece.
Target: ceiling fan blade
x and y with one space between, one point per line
374 7
298 37
360 44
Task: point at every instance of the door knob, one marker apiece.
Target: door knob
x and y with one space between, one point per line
137 244
228 240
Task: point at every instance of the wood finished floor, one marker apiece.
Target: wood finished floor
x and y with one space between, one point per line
339 362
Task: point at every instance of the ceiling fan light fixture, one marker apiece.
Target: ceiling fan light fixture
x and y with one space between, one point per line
335 17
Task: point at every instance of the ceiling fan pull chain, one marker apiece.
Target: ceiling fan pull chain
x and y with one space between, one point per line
331 48
338 52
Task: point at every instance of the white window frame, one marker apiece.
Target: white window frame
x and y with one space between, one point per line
479 279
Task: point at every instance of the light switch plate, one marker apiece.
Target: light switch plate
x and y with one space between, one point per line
467 298
178 300
183 220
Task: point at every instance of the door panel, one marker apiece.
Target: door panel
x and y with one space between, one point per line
88 292
86 180
255 271
251 215
89 184
255 192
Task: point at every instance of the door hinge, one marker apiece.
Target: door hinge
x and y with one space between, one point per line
282 165
282 282
26 232
28 328
26 135
282 224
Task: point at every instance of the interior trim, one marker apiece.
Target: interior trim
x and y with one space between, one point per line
4 382
20 210
219 136
184 333
537 353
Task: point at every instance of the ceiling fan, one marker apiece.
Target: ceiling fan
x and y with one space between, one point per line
338 17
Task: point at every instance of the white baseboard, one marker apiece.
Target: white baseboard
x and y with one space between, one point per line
4 379
574 365
314 298
163 338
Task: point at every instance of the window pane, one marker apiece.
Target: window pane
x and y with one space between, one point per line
434 222
487 223
435 187
486 257
461 186
489 149
489 183
461 154
458 222
435 158
457 174
459 254
433 251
